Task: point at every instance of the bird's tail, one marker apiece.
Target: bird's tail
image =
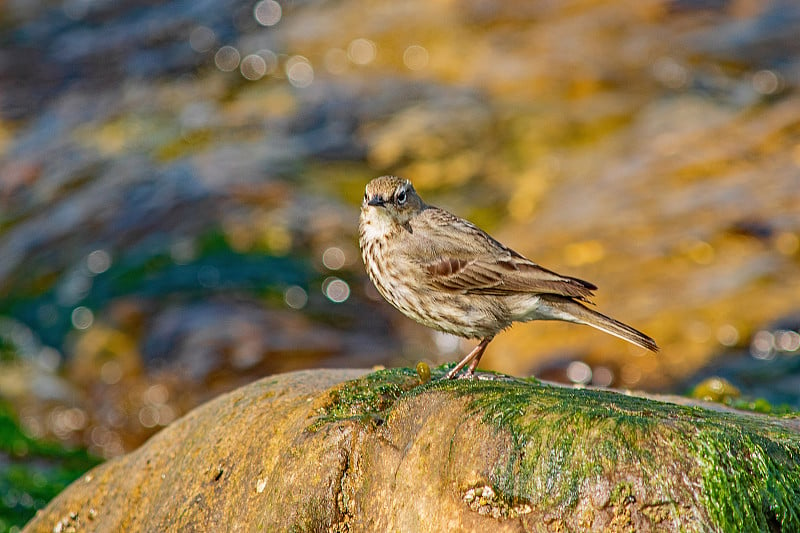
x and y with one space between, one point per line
572 311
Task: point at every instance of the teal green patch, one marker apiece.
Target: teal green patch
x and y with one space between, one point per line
32 472
367 398
145 272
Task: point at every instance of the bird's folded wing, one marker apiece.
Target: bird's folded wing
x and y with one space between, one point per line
456 255
502 276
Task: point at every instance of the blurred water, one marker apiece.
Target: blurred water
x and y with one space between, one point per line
174 176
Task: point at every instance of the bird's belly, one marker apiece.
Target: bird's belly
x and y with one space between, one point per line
460 315
465 321
406 288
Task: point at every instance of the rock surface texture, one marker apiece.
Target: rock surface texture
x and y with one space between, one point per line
350 450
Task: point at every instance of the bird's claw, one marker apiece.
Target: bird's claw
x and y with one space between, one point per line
477 376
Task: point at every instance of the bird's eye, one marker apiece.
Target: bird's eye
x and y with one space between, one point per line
366 197
401 197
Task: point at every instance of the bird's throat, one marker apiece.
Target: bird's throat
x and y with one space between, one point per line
376 224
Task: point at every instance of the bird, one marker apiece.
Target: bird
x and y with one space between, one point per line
448 274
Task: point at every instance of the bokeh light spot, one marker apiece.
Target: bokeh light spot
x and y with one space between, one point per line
253 67
727 335
270 60
602 376
362 51
787 340
766 82
579 372
148 416
73 419
227 58
333 258
107 440
98 261
82 317
631 374
415 57
763 345
202 39
267 12
337 290
299 72
295 297
156 394
166 414
110 372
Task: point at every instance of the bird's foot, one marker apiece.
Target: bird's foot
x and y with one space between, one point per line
471 359
492 377
455 373
477 376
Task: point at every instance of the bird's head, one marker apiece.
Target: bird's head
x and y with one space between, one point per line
392 197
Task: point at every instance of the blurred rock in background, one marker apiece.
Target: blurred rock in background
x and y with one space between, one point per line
180 182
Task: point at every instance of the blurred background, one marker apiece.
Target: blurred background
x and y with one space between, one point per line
180 185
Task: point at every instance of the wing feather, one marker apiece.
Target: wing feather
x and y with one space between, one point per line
460 257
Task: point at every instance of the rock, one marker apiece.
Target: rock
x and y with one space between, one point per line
348 450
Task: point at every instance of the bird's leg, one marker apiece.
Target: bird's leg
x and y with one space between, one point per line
472 359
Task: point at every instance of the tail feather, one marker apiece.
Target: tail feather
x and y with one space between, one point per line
572 311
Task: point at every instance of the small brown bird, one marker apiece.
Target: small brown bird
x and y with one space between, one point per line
450 275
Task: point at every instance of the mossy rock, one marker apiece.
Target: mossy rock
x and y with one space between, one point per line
338 450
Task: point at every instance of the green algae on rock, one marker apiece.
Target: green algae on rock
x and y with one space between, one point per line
356 451
748 467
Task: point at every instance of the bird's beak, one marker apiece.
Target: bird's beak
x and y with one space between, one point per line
376 201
